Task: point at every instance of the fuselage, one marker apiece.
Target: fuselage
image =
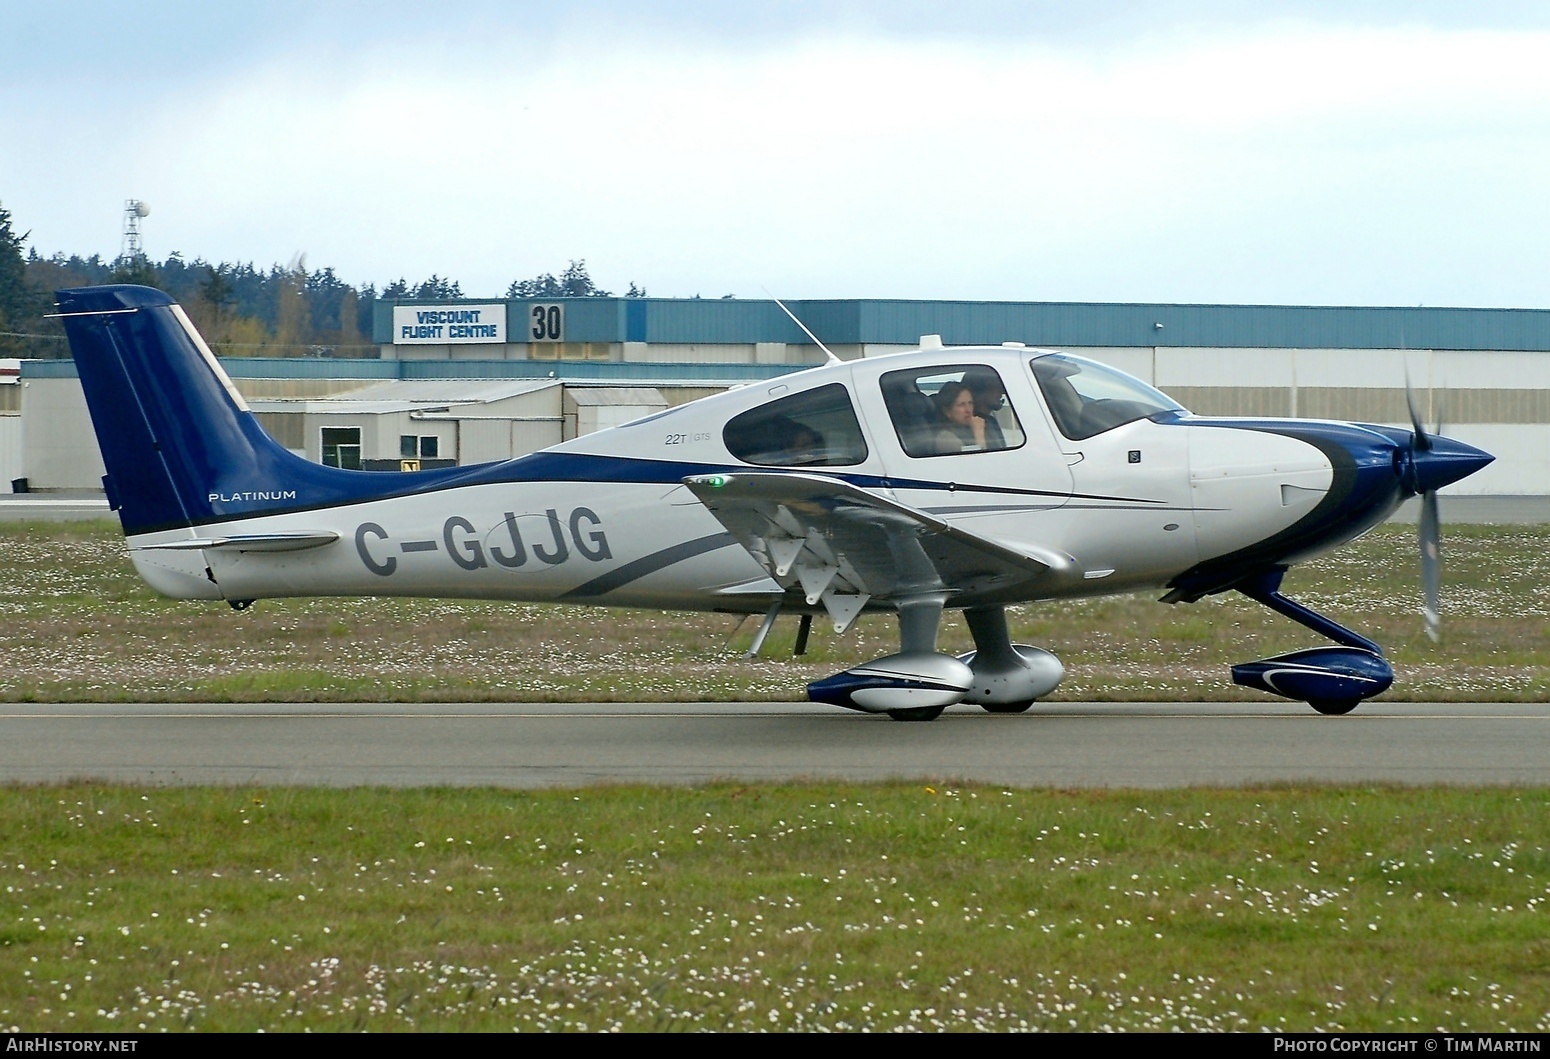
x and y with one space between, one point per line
1071 462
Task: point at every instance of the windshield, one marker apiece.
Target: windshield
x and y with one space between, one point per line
1086 398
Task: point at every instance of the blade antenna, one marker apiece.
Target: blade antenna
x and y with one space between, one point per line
827 352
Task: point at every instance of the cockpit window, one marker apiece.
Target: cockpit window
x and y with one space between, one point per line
817 428
942 411
1086 398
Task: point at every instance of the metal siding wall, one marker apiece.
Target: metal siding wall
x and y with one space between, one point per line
484 440
593 319
288 428
1275 326
635 320
714 321
711 321
10 451
1274 401
59 446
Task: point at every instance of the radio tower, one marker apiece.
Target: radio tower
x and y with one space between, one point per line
134 212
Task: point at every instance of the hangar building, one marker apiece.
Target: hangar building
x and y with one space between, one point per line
468 381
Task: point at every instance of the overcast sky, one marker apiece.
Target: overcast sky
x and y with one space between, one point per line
1327 153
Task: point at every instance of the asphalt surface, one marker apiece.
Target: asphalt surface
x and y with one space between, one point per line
517 745
52 507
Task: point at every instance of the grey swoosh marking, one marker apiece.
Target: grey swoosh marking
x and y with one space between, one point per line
648 564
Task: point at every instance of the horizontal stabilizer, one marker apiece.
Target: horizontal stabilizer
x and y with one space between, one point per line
251 542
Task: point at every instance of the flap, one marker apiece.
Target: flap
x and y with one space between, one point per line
837 542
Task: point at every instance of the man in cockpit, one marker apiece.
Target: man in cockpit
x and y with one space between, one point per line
989 397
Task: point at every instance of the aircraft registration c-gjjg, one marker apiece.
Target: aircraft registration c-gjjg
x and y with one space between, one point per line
950 477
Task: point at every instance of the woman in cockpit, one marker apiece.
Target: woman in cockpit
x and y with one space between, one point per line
959 429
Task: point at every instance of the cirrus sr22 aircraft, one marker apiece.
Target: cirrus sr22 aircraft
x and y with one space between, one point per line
965 478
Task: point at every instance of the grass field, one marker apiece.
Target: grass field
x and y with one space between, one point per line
76 624
770 907
777 907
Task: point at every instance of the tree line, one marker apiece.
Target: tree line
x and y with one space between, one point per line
242 310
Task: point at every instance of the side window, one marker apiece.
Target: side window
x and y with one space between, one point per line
817 428
942 411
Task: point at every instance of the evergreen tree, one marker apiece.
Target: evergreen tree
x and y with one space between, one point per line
438 289
21 304
136 269
574 282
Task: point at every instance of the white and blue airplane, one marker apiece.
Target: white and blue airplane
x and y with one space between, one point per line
964 478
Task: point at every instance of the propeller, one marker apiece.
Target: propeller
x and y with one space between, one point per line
1431 524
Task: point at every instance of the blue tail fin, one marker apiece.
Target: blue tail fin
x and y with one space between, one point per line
180 445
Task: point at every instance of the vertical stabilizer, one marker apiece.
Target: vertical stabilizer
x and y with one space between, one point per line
180 446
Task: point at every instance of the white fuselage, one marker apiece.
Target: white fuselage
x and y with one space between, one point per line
1129 507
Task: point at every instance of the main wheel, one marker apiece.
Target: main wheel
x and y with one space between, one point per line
917 713
1006 707
1334 707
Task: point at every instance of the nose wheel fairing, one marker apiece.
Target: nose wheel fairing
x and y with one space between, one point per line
1319 676
1332 680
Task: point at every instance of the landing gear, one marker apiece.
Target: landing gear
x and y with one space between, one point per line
917 684
1333 680
1008 677
919 713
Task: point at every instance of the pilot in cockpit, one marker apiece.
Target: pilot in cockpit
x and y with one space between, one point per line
989 398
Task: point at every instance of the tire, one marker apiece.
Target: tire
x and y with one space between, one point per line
917 713
1006 707
1334 707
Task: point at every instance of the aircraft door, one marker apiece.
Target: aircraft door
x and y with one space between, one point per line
968 441
1131 516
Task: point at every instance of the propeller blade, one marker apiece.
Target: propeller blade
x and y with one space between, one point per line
1431 563
1421 440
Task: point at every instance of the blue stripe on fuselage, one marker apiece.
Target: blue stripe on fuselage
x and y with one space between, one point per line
343 488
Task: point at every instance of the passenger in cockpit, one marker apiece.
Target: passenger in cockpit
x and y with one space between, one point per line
960 429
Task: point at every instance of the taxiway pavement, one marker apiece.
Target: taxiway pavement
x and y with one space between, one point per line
1143 745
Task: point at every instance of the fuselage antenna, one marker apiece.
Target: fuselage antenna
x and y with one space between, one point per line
827 352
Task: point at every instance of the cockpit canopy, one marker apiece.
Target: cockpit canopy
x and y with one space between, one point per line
1086 398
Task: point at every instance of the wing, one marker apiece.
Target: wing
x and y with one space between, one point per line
845 546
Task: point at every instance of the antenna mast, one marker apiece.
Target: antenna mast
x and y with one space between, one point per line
134 212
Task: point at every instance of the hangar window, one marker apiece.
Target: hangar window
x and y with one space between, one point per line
941 411
817 428
342 447
1086 398
421 446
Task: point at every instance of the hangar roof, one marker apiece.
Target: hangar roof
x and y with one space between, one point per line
615 395
444 391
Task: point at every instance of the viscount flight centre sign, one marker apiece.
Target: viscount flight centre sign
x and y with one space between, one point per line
448 324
